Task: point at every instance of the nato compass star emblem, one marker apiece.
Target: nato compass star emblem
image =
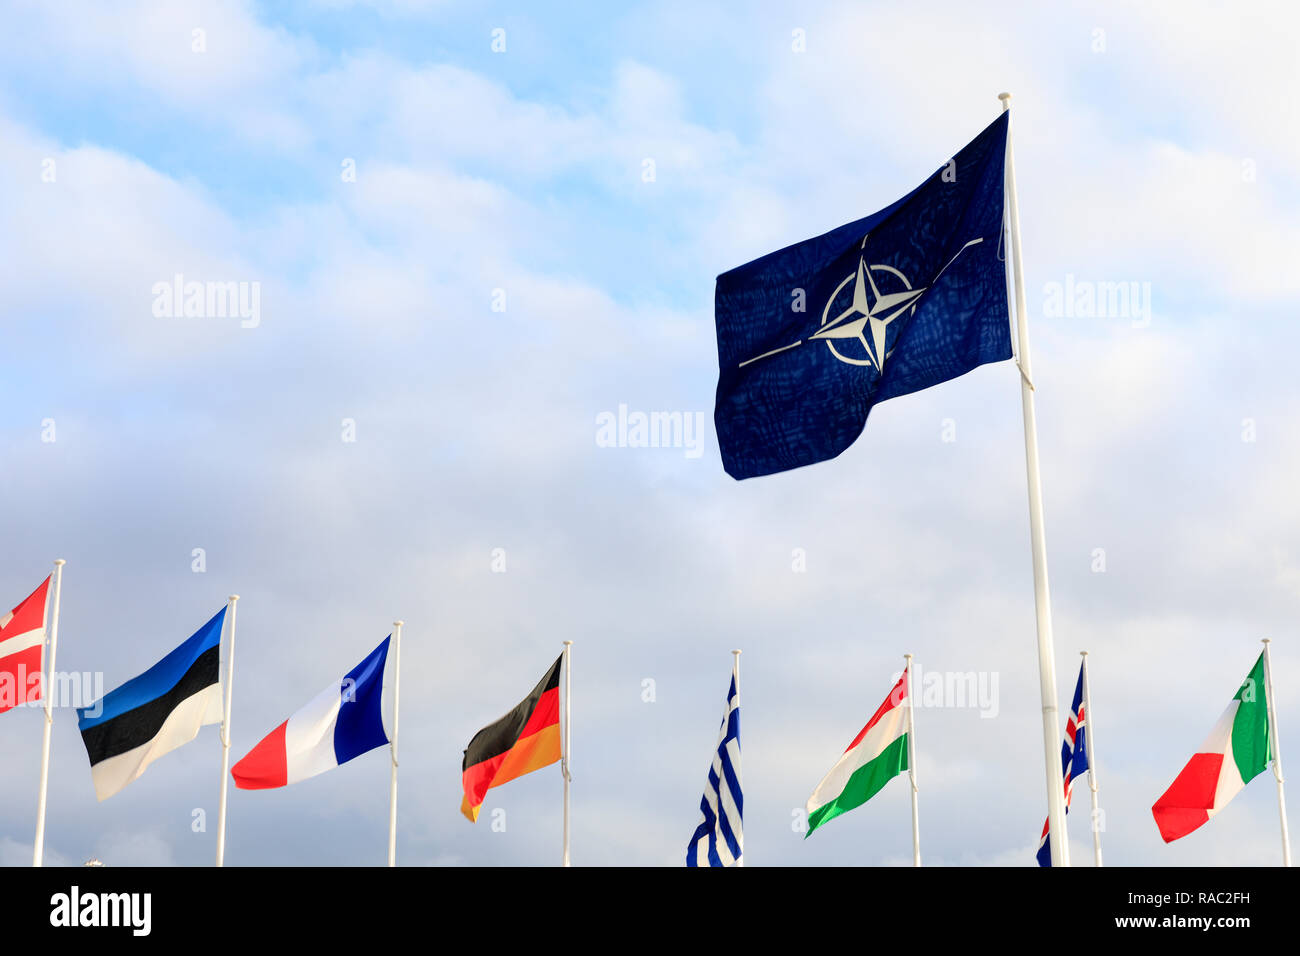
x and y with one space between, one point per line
859 332
867 315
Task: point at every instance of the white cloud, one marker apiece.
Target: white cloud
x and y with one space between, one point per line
476 431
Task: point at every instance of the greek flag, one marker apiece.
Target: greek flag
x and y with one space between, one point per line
719 840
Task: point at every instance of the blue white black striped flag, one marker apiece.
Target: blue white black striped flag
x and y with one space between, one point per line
1074 761
719 840
153 714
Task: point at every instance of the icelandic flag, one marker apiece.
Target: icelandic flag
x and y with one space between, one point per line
812 336
1074 761
132 726
344 720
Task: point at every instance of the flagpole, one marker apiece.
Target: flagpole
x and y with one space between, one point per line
565 743
392 744
911 762
1038 542
735 675
1089 742
225 731
47 681
1276 747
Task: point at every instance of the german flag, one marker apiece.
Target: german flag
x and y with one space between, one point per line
524 740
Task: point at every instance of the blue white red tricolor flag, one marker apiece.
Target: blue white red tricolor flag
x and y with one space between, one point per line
1074 761
344 720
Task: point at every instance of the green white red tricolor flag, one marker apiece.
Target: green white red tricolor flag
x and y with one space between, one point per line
878 754
1236 751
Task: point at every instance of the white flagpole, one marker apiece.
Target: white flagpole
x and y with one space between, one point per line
1276 747
225 731
565 742
47 683
735 674
1090 743
1038 543
392 744
911 762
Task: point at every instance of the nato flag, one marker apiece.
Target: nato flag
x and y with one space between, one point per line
813 335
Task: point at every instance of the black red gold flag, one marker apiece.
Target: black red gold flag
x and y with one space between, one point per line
524 740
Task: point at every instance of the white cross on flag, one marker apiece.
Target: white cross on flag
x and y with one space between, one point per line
22 639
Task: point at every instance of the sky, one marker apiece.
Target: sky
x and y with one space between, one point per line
474 229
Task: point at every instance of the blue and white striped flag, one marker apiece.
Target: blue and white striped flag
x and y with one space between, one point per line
719 840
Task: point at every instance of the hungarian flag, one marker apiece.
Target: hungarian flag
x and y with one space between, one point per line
22 638
878 754
524 740
1235 752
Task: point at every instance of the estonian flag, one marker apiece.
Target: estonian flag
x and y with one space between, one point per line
153 714
524 740
345 720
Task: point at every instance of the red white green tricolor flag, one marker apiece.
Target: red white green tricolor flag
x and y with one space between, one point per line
1236 751
876 755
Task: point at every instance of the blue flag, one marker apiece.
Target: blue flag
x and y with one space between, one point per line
813 335
1074 763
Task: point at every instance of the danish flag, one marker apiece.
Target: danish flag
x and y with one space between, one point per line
22 640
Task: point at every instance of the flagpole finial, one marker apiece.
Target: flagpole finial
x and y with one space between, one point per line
60 562
398 623
1005 97
568 643
736 651
907 657
1266 640
1083 653
234 597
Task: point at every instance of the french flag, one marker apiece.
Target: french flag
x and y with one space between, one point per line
344 721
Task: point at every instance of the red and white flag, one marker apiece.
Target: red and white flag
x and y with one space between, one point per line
22 638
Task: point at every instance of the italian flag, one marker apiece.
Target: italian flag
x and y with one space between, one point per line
1236 751
877 754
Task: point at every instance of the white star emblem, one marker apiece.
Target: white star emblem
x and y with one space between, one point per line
868 311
